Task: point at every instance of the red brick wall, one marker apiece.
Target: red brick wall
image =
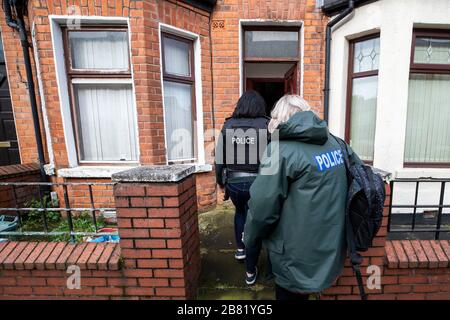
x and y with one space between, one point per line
158 227
32 270
79 196
158 256
144 16
17 79
23 194
225 42
404 276
409 269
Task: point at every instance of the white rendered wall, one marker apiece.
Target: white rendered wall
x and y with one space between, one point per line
394 20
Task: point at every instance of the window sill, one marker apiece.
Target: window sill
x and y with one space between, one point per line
92 171
107 171
199 168
416 173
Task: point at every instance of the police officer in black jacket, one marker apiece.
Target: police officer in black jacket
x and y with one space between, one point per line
241 144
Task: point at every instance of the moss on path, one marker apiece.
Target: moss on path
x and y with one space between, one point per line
222 277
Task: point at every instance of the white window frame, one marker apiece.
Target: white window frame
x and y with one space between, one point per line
56 21
268 23
165 28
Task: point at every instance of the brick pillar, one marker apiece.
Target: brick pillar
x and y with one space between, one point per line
158 227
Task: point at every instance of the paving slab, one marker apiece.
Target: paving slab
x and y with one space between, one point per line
222 276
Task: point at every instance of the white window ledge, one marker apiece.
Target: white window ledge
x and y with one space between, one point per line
107 171
91 171
416 173
203 168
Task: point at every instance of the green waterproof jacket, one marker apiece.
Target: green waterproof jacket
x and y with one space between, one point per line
297 205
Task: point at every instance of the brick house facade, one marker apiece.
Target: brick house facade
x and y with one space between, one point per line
216 33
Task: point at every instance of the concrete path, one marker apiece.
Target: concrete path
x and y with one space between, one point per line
222 276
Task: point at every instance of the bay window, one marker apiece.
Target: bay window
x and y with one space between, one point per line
100 87
179 98
427 129
362 95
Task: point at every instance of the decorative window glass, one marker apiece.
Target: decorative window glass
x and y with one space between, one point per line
432 50
366 55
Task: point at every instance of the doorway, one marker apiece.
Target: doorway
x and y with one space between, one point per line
271 56
9 149
271 81
270 89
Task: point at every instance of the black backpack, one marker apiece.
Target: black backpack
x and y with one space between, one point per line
364 211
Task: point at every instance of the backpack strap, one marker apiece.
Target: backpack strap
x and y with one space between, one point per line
343 147
355 257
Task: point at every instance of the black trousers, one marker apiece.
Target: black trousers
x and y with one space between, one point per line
239 194
283 294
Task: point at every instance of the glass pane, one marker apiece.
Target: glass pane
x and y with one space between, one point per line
363 116
427 127
99 50
271 43
178 119
176 57
106 122
366 55
432 50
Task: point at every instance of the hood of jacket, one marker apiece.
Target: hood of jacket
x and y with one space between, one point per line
306 127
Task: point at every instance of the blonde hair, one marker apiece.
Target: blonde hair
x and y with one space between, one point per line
285 108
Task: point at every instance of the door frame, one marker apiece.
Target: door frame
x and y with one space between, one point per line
292 72
257 79
270 24
13 143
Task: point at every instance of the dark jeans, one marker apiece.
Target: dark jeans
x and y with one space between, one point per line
239 195
283 294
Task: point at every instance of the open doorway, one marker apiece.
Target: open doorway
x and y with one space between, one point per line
271 58
271 80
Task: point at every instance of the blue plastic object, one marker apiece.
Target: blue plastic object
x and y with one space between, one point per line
105 239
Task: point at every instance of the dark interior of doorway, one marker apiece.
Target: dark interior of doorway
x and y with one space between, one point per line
271 91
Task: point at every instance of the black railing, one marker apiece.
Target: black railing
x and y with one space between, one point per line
41 209
420 219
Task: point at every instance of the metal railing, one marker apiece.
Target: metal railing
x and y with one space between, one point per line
42 199
419 219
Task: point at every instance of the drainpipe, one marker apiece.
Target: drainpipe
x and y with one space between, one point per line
18 23
330 25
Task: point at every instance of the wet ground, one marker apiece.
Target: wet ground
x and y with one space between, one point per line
222 276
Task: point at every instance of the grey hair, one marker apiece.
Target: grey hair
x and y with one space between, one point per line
285 108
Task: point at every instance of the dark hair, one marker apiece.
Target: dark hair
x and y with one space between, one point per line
250 105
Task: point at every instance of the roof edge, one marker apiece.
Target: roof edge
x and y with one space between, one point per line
206 5
332 7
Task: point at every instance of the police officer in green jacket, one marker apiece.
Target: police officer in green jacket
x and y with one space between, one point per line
297 201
